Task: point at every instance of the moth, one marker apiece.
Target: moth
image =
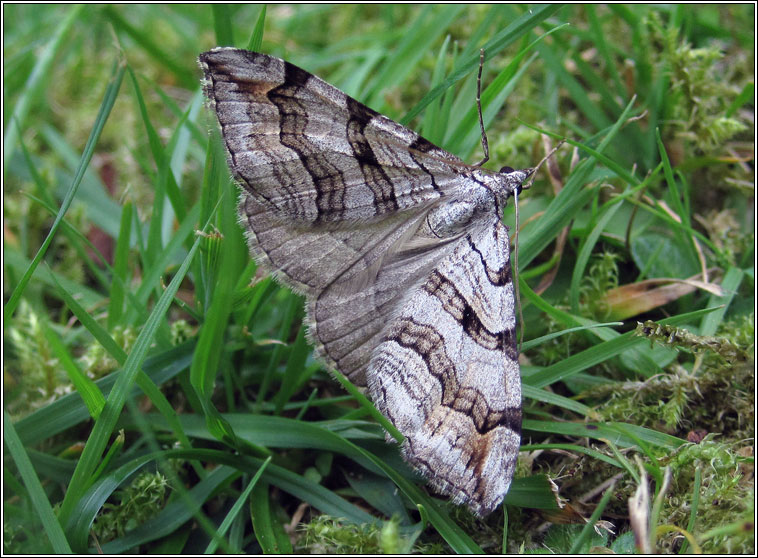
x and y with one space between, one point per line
399 250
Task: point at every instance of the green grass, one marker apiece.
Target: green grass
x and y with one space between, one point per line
160 393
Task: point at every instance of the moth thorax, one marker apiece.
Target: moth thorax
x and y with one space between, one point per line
455 217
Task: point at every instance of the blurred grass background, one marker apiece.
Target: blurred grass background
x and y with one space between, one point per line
160 394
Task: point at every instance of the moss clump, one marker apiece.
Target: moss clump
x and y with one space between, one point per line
32 375
98 362
725 492
329 535
138 502
701 89
602 276
680 399
682 402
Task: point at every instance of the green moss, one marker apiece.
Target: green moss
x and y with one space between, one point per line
602 276
97 362
33 376
329 535
683 339
726 491
683 400
136 503
181 331
701 89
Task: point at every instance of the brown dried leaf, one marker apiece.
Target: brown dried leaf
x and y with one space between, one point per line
636 298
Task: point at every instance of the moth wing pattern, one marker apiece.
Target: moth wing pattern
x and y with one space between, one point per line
313 154
355 285
374 225
446 372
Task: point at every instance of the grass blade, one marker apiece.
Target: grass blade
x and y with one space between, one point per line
256 39
268 532
522 25
85 387
102 117
105 425
37 494
237 507
587 529
34 84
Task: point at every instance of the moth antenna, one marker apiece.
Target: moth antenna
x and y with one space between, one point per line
542 162
485 143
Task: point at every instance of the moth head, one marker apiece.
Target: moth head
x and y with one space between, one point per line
518 177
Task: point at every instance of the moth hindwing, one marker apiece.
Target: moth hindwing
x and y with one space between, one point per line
398 248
